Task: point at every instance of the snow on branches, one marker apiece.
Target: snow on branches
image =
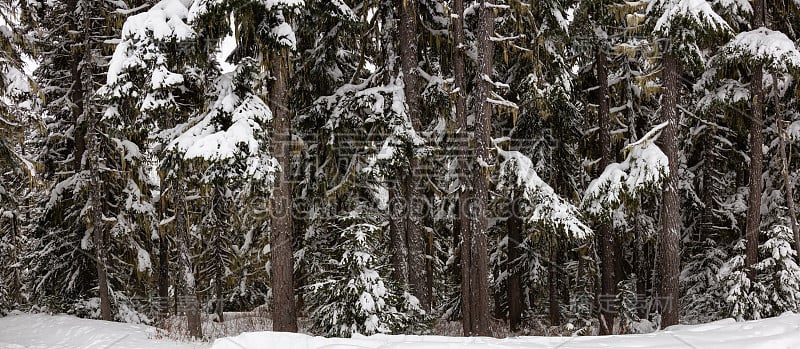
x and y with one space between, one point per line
645 167
233 130
540 204
771 48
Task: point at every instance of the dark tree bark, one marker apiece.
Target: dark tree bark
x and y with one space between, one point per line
669 287
163 262
100 252
608 284
553 307
756 154
188 300
462 229
477 248
514 226
397 238
787 181
220 218
284 315
412 221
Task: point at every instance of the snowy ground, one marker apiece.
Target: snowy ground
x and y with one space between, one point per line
67 332
776 333
39 331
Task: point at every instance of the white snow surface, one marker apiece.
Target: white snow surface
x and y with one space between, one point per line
39 331
774 333
36 331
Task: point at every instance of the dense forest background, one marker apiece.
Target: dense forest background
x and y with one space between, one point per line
554 166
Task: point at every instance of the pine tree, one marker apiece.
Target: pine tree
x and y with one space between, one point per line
352 293
694 20
153 83
66 259
17 171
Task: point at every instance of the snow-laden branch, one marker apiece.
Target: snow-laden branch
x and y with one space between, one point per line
645 167
762 46
539 205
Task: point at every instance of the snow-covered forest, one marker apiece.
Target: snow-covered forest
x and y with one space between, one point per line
400 166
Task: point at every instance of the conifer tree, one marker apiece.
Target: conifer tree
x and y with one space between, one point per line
17 171
681 24
65 259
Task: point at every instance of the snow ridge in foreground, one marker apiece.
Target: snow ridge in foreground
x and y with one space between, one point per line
29 331
775 333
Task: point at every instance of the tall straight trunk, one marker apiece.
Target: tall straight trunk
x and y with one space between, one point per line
163 262
553 307
99 247
189 303
753 227
429 253
479 283
608 284
463 225
284 315
706 230
221 217
16 286
412 220
670 209
514 226
397 238
787 181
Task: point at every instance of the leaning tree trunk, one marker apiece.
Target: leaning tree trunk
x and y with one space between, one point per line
188 300
670 209
608 285
477 248
284 315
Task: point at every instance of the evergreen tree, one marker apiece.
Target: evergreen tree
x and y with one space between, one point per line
681 24
17 171
68 249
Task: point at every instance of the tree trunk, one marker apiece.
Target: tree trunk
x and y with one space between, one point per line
189 303
163 262
514 226
430 252
16 286
479 283
608 284
787 181
284 315
397 238
463 225
669 287
413 219
756 163
756 155
96 195
553 308
220 215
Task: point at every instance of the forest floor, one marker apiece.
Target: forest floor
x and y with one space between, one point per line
39 331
